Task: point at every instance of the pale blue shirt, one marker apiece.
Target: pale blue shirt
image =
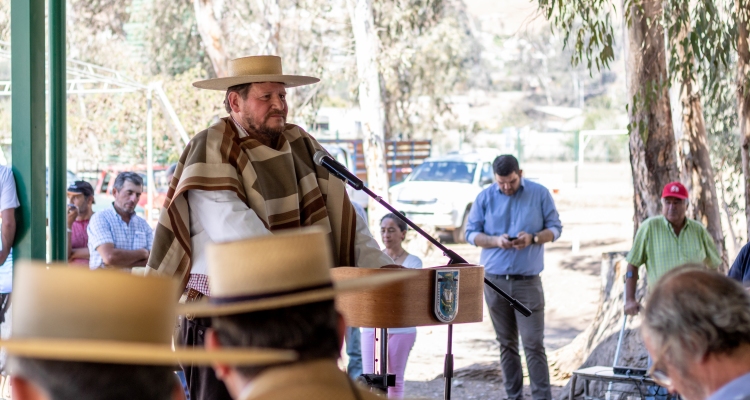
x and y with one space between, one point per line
531 209
738 389
108 227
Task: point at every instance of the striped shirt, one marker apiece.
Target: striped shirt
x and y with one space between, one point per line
108 227
657 246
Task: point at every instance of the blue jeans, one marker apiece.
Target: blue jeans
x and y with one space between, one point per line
354 351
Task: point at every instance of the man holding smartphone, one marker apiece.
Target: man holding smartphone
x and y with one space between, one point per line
511 220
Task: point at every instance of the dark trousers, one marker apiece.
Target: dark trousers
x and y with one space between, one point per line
508 323
201 380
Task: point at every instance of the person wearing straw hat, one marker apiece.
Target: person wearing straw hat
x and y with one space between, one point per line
282 299
78 334
250 174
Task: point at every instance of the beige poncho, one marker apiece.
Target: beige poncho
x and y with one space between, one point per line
283 186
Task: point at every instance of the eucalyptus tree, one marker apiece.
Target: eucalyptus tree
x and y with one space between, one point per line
676 42
742 16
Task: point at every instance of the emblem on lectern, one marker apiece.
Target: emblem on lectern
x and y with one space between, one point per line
446 294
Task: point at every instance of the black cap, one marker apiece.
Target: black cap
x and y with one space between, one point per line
82 187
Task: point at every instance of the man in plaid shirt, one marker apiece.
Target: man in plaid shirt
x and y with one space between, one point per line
666 242
118 237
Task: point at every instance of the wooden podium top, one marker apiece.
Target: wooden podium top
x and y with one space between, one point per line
410 302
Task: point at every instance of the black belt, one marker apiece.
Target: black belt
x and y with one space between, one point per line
516 277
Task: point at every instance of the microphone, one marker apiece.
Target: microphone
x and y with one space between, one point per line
324 160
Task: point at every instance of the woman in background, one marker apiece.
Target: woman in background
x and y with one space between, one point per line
400 340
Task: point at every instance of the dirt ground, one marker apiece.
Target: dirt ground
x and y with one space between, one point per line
597 218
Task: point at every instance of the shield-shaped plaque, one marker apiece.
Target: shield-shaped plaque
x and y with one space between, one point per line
446 294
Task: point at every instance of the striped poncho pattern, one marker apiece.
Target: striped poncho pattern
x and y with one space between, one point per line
283 186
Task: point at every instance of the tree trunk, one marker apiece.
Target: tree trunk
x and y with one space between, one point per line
743 97
652 145
697 171
370 99
211 35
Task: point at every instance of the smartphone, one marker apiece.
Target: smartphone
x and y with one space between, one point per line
510 239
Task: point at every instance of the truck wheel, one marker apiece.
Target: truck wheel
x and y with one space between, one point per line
459 234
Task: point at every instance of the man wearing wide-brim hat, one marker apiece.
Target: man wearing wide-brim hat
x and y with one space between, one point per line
248 175
281 299
78 334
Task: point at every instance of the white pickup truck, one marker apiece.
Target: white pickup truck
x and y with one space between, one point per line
440 192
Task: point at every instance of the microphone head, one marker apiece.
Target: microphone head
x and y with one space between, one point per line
318 157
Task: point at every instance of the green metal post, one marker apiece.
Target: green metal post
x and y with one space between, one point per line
28 116
57 132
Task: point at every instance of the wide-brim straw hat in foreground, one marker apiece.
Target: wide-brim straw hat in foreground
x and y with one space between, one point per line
255 69
275 271
106 316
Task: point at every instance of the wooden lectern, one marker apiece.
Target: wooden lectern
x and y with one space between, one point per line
411 302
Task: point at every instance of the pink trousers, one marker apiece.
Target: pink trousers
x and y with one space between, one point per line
399 346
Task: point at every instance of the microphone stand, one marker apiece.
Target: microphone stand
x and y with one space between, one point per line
453 259
332 166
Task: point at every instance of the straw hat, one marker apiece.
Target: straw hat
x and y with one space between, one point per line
107 316
255 69
275 271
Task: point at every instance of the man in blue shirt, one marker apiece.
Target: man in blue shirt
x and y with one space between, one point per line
511 220
740 270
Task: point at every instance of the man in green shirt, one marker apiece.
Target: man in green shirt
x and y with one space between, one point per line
666 242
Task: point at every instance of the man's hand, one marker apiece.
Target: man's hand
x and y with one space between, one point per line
503 242
524 240
72 215
632 307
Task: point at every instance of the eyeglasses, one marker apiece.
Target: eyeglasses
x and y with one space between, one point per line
659 375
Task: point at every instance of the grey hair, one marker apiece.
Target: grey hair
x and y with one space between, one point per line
693 312
131 177
69 380
239 89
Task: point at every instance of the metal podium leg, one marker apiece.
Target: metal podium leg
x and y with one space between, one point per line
448 367
384 353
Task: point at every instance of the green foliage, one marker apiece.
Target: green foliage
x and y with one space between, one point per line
428 53
588 24
173 45
702 39
644 98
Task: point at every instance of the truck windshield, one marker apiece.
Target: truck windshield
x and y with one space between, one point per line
445 171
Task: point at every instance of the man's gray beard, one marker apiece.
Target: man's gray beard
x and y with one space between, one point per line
261 130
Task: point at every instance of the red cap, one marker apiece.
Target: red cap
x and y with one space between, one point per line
674 189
